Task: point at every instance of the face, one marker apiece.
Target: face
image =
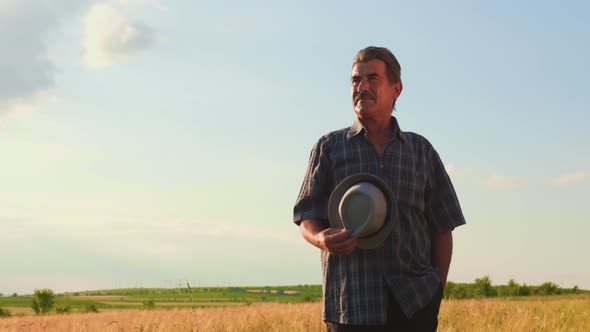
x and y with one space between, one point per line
372 93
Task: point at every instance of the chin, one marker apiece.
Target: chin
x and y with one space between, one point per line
361 113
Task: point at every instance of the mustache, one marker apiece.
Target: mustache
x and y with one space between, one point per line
364 95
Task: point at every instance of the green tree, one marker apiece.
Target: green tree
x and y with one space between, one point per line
43 300
513 288
524 290
548 288
483 287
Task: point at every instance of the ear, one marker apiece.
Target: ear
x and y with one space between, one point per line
398 86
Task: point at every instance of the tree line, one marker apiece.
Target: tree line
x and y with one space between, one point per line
482 287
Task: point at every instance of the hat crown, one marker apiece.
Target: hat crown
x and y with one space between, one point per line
363 209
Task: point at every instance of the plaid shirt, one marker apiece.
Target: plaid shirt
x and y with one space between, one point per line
356 285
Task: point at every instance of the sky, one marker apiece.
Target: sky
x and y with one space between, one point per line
146 143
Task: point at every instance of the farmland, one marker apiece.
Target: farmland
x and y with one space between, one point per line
478 306
538 313
202 297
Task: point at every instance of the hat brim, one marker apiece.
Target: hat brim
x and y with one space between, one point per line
373 240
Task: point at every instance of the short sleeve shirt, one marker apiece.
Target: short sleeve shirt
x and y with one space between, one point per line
356 286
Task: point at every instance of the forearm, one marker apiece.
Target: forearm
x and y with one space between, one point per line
310 228
442 250
334 240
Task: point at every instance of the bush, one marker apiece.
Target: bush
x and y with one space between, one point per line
43 300
4 313
89 307
149 304
63 308
458 291
307 298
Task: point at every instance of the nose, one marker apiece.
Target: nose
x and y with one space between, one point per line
362 85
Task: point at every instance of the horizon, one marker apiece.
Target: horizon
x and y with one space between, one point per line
227 286
173 141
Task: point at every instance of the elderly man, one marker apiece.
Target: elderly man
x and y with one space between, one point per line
399 284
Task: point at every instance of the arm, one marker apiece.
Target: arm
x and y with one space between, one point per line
335 241
442 250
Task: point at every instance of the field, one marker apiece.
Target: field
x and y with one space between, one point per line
539 313
202 297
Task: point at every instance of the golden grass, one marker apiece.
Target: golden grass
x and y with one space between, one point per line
255 317
536 314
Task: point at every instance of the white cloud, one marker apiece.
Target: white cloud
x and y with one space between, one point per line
28 103
111 37
498 181
569 179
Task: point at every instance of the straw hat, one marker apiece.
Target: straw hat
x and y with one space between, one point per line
364 204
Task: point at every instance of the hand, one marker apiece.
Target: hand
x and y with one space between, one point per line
336 241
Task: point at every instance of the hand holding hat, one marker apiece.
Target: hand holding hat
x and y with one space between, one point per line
364 205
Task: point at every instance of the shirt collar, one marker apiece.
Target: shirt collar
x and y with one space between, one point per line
358 128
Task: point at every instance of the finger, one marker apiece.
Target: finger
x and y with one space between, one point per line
345 250
340 235
346 245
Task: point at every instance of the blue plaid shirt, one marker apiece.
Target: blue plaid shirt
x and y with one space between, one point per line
356 286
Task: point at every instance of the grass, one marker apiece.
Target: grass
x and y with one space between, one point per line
539 314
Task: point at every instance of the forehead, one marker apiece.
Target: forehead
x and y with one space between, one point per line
374 66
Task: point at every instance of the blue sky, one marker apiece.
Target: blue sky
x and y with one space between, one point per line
151 142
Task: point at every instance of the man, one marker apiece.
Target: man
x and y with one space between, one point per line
397 286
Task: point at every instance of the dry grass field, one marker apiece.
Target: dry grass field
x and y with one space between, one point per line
570 313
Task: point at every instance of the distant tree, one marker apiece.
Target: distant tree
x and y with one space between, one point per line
43 300
524 290
483 287
449 289
14 294
459 291
575 290
548 288
513 288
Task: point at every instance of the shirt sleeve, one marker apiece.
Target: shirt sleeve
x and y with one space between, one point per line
442 211
312 202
